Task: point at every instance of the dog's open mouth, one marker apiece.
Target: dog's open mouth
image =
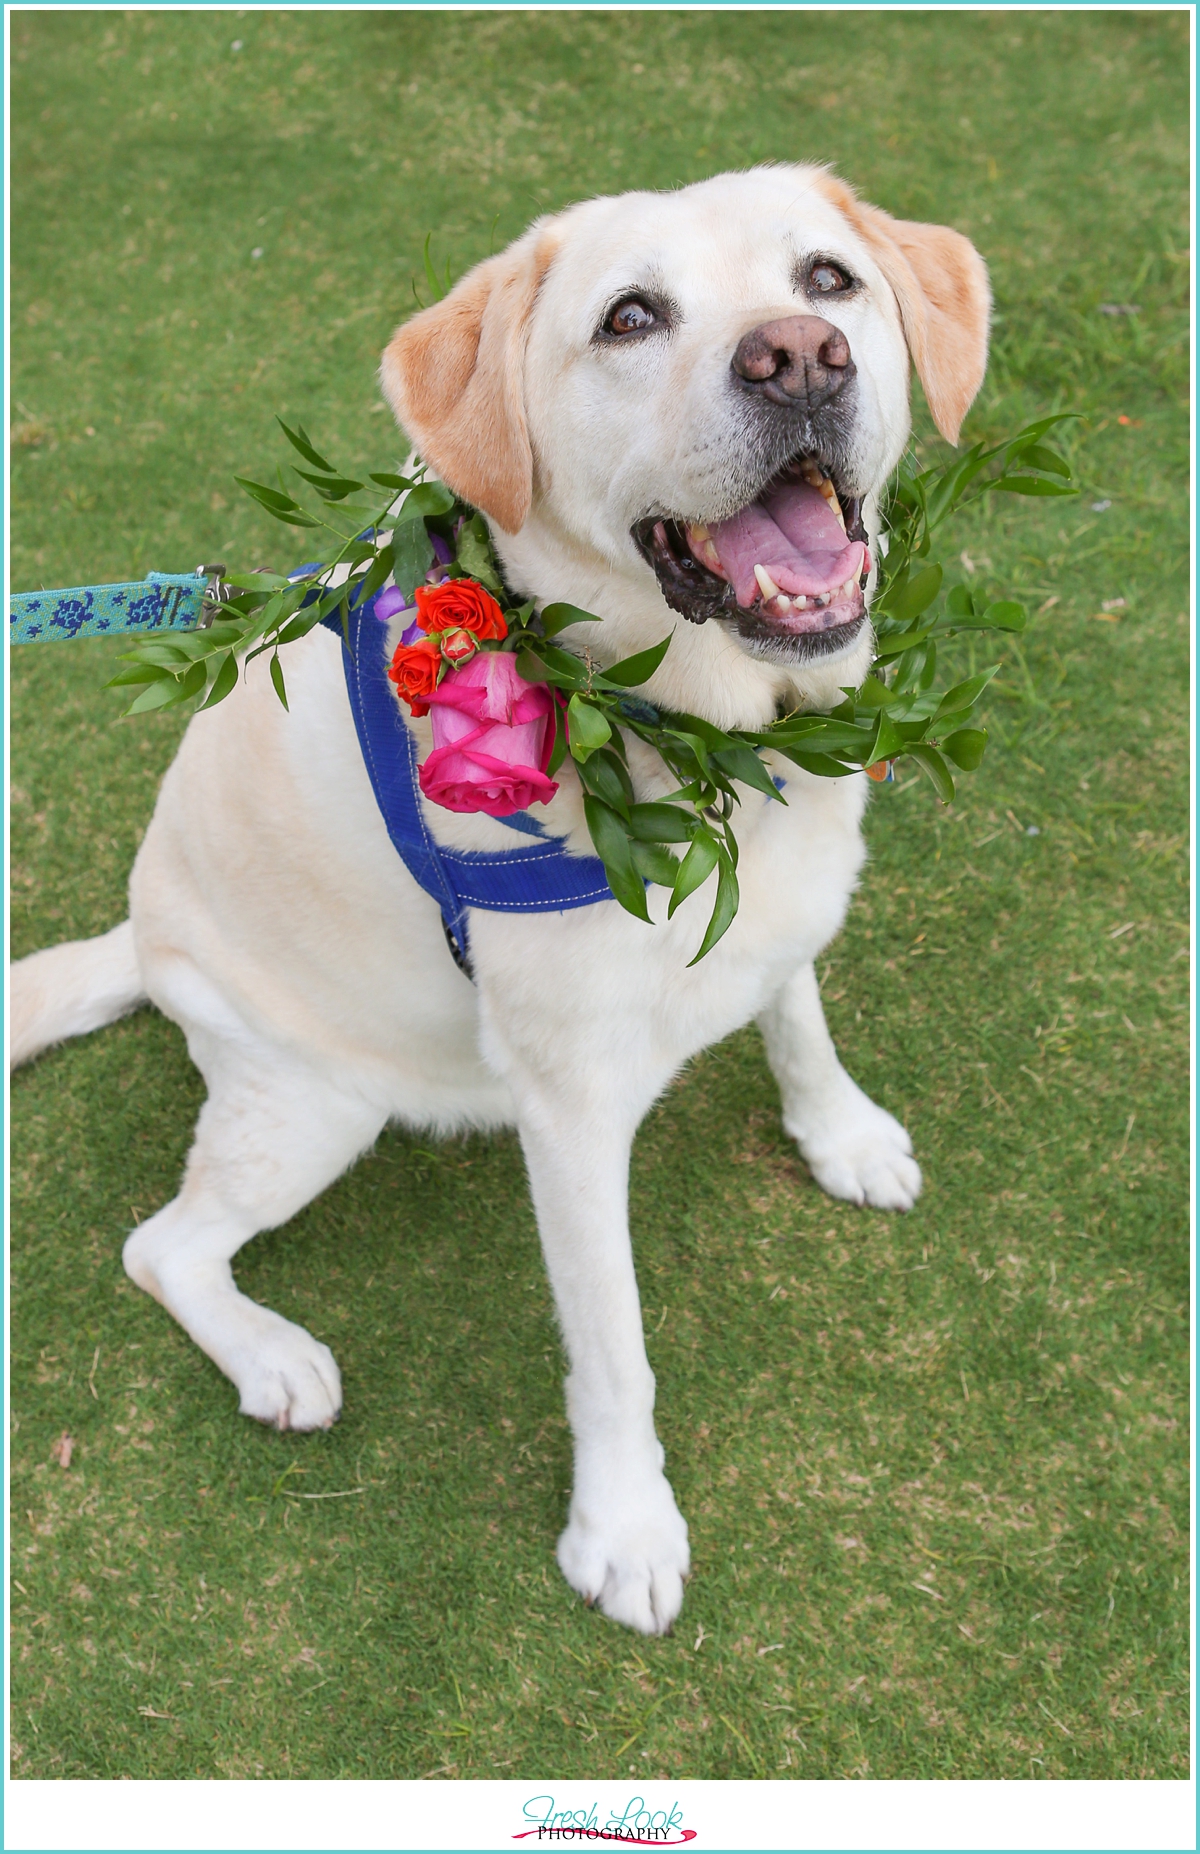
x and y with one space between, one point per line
789 568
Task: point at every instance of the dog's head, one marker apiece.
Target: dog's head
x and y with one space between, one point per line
697 397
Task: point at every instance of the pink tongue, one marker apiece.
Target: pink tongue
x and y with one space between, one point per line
795 534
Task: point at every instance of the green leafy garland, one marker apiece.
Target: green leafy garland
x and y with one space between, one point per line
897 713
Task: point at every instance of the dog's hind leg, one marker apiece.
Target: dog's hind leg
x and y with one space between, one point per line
853 1148
72 989
271 1135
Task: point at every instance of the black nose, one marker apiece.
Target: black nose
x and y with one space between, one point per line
800 361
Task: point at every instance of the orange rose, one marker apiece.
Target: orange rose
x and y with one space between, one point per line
414 670
460 604
458 646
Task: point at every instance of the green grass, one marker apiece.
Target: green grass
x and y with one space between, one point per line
935 1465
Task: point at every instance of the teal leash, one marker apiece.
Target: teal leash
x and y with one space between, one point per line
160 602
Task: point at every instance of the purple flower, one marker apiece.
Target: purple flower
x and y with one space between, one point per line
388 602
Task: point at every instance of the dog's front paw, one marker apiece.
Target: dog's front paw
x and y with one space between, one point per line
286 1377
630 1558
858 1151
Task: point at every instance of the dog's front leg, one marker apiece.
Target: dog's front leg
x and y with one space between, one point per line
625 1546
854 1149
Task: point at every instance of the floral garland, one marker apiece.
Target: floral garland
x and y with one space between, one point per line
509 702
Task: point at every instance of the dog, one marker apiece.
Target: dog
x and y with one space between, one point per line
674 409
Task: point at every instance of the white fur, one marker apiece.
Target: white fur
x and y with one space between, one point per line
274 922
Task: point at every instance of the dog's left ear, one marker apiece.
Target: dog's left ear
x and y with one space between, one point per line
941 284
454 377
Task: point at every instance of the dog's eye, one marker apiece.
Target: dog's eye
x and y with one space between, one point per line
827 278
631 317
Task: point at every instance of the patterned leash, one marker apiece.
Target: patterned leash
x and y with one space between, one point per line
160 602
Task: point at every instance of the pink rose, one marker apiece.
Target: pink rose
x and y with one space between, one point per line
492 739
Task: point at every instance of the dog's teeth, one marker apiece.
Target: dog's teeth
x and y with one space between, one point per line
800 603
701 543
822 598
848 589
812 472
766 584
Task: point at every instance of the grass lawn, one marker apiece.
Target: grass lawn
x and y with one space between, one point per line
935 1465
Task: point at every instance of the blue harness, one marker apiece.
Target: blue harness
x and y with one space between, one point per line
538 878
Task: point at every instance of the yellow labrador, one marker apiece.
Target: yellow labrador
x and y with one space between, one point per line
673 408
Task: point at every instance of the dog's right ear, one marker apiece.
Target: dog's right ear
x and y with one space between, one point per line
454 378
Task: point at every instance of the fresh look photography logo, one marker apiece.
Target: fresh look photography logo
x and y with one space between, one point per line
637 1825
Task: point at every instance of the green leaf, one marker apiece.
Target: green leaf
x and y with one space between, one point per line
412 551
1003 615
259 582
170 656
694 748
587 728
277 679
709 734
557 617
743 764
916 596
139 672
874 694
388 481
431 276
814 734
724 909
158 695
603 774
908 667
655 863
1032 486
695 868
300 441
888 741
661 823
333 488
375 575
558 751
822 764
426 501
893 643
224 682
965 694
557 666
931 762
631 671
475 554
1006 615
960 603
300 626
533 669
1041 457
616 853
283 507
966 747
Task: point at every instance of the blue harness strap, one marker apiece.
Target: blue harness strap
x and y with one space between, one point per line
539 877
160 602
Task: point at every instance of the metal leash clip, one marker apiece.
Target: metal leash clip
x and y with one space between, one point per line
215 592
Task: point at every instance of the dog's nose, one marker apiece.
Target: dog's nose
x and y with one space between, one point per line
800 360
